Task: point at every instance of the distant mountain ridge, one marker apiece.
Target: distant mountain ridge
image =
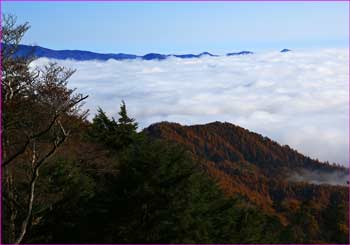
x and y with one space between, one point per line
81 55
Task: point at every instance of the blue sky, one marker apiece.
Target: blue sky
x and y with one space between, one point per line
175 27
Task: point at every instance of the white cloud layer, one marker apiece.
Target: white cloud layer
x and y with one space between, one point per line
298 98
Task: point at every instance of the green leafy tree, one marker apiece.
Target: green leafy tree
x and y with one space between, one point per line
115 135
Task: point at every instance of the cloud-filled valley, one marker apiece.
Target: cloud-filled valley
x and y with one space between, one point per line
298 98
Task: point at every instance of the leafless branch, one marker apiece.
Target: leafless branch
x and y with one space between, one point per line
33 181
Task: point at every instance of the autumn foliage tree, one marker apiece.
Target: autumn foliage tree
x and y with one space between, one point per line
37 107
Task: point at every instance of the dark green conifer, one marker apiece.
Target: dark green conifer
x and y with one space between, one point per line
126 127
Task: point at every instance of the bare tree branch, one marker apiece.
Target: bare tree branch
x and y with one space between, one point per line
35 176
36 104
23 149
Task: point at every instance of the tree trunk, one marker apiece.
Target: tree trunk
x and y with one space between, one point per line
12 209
29 207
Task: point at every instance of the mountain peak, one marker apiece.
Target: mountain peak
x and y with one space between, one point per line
207 53
252 165
272 156
154 56
240 53
285 50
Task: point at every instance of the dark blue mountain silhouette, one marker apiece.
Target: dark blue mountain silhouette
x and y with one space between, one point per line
81 55
285 50
186 56
154 56
189 56
208 54
240 53
39 52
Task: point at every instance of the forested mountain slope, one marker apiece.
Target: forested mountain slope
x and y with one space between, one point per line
218 142
246 163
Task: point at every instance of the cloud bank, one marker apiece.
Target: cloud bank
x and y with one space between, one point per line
298 98
321 177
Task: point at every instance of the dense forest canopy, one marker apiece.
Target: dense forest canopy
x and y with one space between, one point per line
69 180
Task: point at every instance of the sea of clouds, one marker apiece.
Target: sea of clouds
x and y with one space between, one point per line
299 98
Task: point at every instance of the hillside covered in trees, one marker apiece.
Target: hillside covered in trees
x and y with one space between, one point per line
69 180
262 171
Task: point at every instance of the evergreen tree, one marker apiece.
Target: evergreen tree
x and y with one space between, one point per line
116 135
104 130
126 127
124 118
